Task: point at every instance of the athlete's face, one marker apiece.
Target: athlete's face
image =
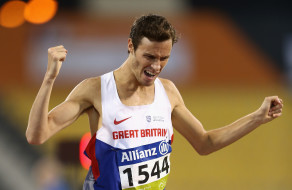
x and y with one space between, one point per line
149 59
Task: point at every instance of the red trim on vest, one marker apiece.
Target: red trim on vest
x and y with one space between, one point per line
171 138
90 151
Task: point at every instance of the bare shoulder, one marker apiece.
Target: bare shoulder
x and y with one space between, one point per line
172 92
92 83
87 90
167 84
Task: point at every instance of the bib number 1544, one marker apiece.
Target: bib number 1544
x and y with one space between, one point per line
145 172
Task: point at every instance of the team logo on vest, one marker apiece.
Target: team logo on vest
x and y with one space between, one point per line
148 118
158 118
163 147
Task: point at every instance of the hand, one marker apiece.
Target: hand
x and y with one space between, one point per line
270 109
56 55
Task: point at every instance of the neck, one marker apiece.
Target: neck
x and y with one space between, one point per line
125 77
130 91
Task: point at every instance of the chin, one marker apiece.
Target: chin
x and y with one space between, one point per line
146 81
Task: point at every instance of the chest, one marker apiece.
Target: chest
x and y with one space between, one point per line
136 97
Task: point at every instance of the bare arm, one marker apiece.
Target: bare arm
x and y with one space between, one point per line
270 109
41 124
206 142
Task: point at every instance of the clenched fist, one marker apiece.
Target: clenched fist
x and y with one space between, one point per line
56 55
270 109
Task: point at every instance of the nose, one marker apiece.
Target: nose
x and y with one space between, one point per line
156 65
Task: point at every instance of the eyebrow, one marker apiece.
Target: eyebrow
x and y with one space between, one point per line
148 54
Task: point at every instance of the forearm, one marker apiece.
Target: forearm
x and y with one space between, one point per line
37 129
224 136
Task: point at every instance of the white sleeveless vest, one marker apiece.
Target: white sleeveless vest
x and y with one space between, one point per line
132 148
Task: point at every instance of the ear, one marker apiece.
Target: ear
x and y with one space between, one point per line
130 46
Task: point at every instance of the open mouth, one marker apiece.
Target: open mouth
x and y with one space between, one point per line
149 74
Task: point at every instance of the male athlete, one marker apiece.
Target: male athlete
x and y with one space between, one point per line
131 112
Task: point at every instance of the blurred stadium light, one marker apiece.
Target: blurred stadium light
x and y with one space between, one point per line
15 13
40 11
84 160
12 14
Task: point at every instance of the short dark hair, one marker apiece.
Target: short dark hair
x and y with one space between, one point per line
153 27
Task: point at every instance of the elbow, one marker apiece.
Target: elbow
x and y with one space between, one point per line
206 146
31 139
204 151
34 141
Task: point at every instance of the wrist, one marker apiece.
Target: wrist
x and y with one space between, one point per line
257 117
49 78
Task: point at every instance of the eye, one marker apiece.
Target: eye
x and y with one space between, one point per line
164 59
150 57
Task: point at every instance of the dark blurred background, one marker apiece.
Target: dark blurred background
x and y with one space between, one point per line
230 56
